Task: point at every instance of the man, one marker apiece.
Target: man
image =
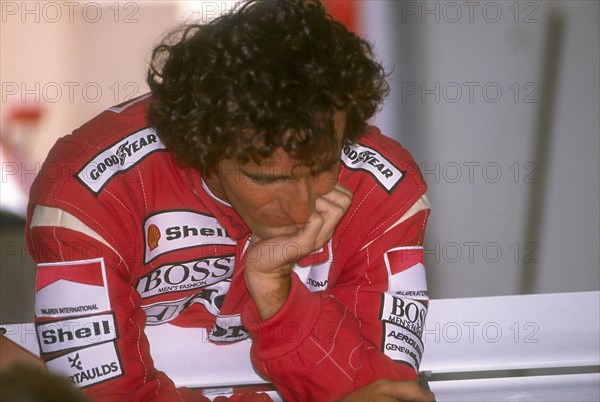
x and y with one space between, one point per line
245 195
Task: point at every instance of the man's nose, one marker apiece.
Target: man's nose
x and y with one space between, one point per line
300 202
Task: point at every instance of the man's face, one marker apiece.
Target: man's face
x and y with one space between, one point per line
277 196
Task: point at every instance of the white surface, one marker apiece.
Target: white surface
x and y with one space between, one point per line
567 334
512 332
192 361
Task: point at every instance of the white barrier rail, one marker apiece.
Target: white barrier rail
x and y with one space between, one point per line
542 347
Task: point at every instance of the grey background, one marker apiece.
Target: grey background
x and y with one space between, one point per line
513 178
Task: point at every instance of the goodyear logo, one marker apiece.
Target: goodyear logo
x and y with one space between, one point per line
119 158
360 157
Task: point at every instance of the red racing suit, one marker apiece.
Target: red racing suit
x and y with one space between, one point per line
124 237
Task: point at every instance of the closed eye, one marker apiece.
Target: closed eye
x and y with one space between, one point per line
265 178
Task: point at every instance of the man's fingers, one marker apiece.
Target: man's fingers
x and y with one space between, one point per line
307 236
332 213
332 207
329 210
311 228
340 187
334 204
390 390
340 195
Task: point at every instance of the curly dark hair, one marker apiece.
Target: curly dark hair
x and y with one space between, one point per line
267 75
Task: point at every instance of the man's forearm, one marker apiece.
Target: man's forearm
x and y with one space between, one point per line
268 292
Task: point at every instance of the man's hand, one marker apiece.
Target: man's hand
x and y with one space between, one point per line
391 391
269 262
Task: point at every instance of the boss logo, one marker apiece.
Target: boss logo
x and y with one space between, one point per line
414 312
406 313
186 276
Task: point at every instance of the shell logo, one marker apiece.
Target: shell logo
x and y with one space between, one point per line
153 236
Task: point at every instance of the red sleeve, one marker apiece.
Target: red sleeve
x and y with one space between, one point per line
89 322
324 345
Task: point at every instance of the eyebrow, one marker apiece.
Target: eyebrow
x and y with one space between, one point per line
274 177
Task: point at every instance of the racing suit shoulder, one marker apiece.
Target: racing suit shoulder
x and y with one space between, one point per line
385 182
97 174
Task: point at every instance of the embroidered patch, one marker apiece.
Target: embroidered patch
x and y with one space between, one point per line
360 157
71 288
211 297
406 272
402 345
119 158
173 230
89 366
403 321
76 333
407 313
228 328
185 276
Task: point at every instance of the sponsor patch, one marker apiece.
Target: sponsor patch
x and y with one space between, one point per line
174 230
403 320
119 158
76 333
402 345
211 297
407 313
316 275
186 276
360 157
406 272
72 288
89 366
228 328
